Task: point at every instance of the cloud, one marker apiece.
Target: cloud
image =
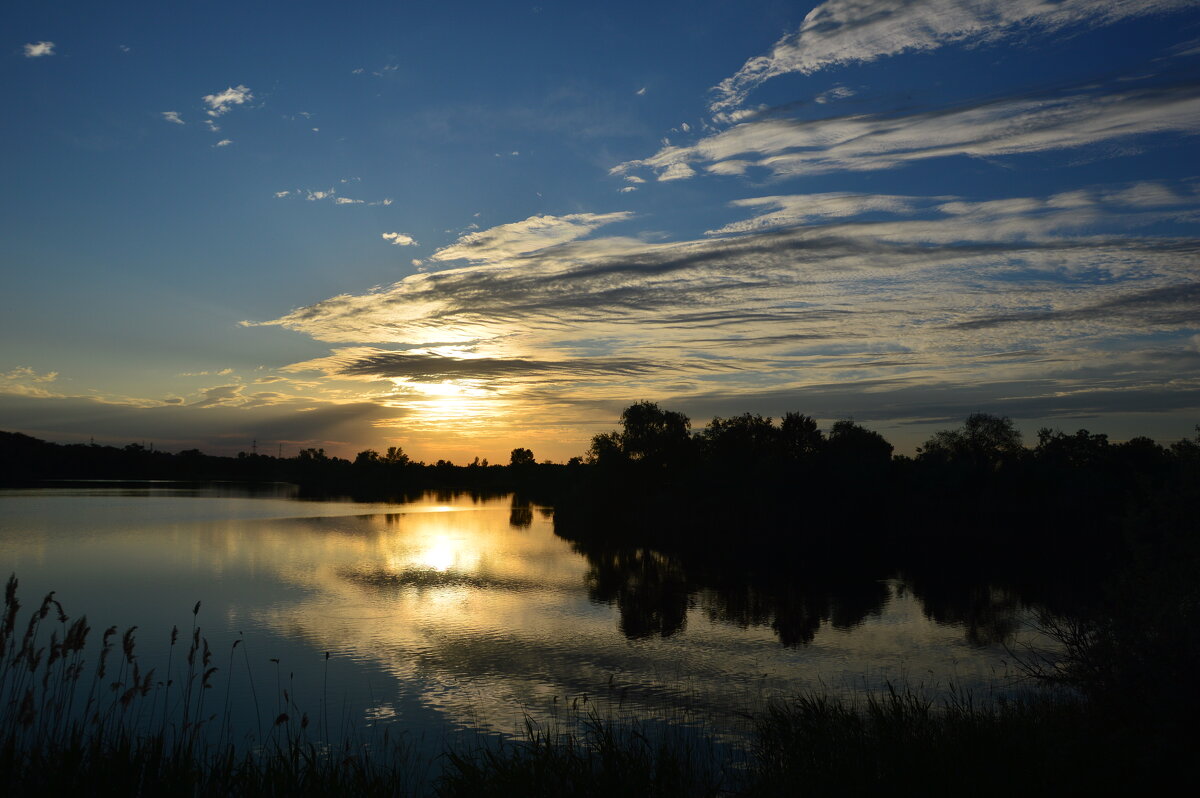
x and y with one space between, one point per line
532 234
430 367
803 208
840 32
834 302
281 194
627 189
836 93
222 394
212 126
676 171
1160 308
347 201
39 49
641 92
24 381
315 196
221 103
1011 126
218 428
399 239
223 143
172 116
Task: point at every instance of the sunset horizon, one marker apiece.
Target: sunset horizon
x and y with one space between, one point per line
461 229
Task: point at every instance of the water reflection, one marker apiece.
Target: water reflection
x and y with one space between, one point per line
461 611
654 593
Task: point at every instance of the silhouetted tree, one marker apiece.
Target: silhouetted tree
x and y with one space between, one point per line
395 456
650 436
742 441
653 435
606 450
800 438
851 445
1081 450
367 457
985 441
521 458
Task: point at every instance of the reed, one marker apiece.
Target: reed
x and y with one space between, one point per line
112 729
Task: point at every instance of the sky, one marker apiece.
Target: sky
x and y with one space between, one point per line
463 227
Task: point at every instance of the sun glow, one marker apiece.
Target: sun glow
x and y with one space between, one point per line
438 405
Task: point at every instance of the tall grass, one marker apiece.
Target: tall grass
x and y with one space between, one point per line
70 727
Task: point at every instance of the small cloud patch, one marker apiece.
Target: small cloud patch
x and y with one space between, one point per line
39 49
399 239
221 103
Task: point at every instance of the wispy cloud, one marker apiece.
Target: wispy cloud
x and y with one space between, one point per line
222 394
39 49
530 235
805 208
786 147
432 367
25 381
319 195
836 93
839 32
173 117
223 143
893 294
222 102
1169 306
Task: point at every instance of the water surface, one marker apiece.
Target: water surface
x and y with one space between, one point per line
455 613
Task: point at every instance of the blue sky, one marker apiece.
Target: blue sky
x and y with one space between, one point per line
463 227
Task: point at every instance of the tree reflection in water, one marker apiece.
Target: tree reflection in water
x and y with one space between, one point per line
654 591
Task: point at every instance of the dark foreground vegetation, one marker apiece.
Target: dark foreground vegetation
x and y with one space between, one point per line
1103 534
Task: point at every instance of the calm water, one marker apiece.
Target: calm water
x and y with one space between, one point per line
455 613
